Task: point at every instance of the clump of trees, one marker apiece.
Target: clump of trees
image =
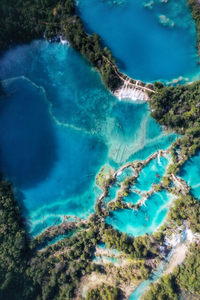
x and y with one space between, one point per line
103 292
194 4
177 107
137 248
186 208
165 289
14 247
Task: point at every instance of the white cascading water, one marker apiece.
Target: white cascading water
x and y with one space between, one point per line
159 162
130 93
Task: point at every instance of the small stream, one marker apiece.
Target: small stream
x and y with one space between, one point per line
152 278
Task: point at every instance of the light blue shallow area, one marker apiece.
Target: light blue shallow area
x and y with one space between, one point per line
190 172
59 126
148 44
144 220
148 174
132 197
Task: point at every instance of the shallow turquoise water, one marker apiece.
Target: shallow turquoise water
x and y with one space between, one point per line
132 197
190 172
148 44
144 220
149 174
59 126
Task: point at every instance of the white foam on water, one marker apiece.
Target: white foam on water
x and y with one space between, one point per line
131 93
159 162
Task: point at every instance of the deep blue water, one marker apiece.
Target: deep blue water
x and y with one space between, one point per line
148 44
59 126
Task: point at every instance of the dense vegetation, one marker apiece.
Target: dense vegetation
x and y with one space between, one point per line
103 292
165 289
177 107
22 21
194 4
14 250
186 208
138 247
186 276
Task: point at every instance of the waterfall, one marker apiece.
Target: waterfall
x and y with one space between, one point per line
159 162
63 42
131 93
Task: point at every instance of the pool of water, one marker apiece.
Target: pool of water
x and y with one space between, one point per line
151 173
190 172
132 197
144 220
59 126
149 43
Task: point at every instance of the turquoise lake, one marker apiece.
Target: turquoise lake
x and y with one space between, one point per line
59 126
156 42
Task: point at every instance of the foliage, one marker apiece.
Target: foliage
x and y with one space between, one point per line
186 208
187 273
194 4
165 289
178 107
104 292
14 250
138 247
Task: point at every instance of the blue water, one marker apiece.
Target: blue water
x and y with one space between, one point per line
146 219
148 44
132 197
190 172
59 126
148 174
